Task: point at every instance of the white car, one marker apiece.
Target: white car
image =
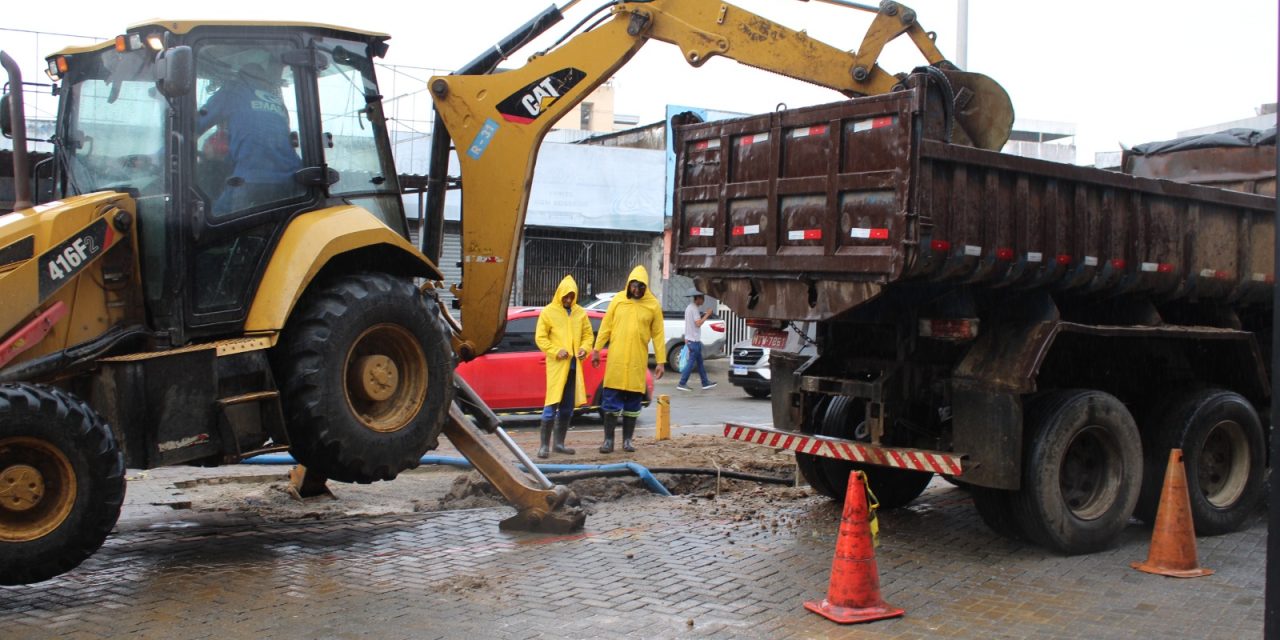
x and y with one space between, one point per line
749 363
713 333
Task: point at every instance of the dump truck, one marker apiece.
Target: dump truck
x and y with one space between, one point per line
1041 333
208 284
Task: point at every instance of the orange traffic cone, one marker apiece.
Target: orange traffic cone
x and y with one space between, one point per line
1173 541
854 594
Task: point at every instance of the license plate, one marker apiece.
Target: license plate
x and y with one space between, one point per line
739 371
769 339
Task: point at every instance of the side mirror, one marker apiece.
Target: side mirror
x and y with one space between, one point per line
6 120
175 72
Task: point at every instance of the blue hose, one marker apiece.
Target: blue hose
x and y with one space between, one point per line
645 476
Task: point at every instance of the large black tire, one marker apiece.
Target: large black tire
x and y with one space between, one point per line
1081 471
995 507
365 368
1222 446
61 482
843 418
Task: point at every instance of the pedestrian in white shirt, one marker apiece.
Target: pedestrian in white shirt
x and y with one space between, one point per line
694 317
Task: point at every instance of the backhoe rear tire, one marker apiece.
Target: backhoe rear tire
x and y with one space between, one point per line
892 487
61 482
365 369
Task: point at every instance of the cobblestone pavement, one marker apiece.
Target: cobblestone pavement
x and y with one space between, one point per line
644 568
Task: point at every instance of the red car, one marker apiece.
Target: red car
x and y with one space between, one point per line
511 377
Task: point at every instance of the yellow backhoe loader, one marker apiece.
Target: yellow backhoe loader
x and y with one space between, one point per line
225 269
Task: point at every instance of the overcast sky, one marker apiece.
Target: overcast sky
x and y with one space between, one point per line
1121 71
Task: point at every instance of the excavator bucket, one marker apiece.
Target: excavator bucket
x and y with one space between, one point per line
983 110
540 507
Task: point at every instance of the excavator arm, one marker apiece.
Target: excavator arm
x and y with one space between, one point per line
498 121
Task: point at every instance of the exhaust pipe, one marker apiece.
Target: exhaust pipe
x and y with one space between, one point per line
18 120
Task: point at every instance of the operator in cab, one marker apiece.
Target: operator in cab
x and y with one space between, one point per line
249 110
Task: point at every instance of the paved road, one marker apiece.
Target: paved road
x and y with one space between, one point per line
644 568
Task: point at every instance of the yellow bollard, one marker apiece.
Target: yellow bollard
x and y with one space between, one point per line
663 430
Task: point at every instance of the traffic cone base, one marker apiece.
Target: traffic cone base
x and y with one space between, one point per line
1173 538
850 615
1172 573
854 591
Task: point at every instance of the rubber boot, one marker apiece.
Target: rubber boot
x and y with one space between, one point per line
545 436
628 430
610 421
562 429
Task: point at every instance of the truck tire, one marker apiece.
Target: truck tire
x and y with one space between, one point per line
1221 440
995 507
365 369
892 487
1081 471
61 482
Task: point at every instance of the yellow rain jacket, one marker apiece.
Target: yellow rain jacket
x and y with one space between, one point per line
627 328
568 329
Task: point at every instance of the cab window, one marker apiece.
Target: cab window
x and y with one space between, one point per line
353 130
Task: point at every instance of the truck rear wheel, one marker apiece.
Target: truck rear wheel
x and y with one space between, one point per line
365 370
61 482
995 507
1081 472
844 418
1221 440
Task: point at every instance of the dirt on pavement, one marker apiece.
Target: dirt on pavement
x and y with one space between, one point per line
265 495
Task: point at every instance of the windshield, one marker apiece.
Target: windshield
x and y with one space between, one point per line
114 131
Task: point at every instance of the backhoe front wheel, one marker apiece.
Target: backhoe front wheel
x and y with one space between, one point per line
61 482
365 368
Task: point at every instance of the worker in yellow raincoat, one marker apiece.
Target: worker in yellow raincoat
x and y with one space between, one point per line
564 335
633 320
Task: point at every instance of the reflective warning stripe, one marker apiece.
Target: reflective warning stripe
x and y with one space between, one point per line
758 138
869 234
702 232
746 230
902 458
703 145
804 132
873 123
805 234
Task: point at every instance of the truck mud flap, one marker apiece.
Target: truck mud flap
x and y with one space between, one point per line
951 464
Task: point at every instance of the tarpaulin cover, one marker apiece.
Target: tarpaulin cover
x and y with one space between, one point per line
1228 138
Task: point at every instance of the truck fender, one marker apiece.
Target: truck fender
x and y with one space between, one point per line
318 238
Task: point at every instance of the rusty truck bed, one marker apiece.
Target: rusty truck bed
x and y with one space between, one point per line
807 213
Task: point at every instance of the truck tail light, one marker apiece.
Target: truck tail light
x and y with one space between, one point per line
717 327
949 328
759 323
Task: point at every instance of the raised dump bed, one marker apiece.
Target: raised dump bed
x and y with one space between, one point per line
807 213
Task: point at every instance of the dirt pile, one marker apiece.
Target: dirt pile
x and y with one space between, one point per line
265 496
